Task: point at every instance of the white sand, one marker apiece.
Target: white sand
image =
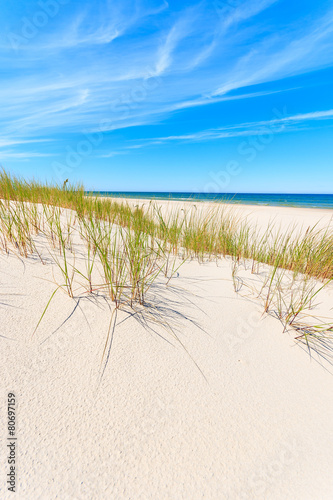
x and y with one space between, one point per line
259 426
284 217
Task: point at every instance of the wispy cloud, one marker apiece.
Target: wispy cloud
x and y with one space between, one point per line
111 154
164 56
283 55
241 130
4 142
245 10
316 115
22 155
135 63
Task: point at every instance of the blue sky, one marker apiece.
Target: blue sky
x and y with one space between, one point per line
150 95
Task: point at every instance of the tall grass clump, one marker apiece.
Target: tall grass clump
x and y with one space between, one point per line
189 233
130 258
130 246
192 232
60 232
16 227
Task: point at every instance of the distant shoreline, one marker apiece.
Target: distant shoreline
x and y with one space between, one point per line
317 201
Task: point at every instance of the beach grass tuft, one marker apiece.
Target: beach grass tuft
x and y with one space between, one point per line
134 245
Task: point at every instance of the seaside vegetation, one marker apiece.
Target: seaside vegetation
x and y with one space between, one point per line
136 244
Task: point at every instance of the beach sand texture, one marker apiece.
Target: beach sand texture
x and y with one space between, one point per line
240 411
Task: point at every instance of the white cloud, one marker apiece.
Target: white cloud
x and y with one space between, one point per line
240 130
4 142
111 154
188 58
245 11
266 61
22 155
179 31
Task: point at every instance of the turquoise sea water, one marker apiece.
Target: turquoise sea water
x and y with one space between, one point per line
277 200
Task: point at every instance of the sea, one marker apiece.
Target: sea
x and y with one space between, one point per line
274 200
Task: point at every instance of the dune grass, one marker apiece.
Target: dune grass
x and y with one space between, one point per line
218 232
136 244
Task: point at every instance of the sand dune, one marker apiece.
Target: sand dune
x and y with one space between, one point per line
202 396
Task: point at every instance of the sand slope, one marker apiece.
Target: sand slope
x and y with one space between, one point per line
257 425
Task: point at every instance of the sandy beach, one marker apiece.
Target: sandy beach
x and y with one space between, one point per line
284 217
166 250
227 406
